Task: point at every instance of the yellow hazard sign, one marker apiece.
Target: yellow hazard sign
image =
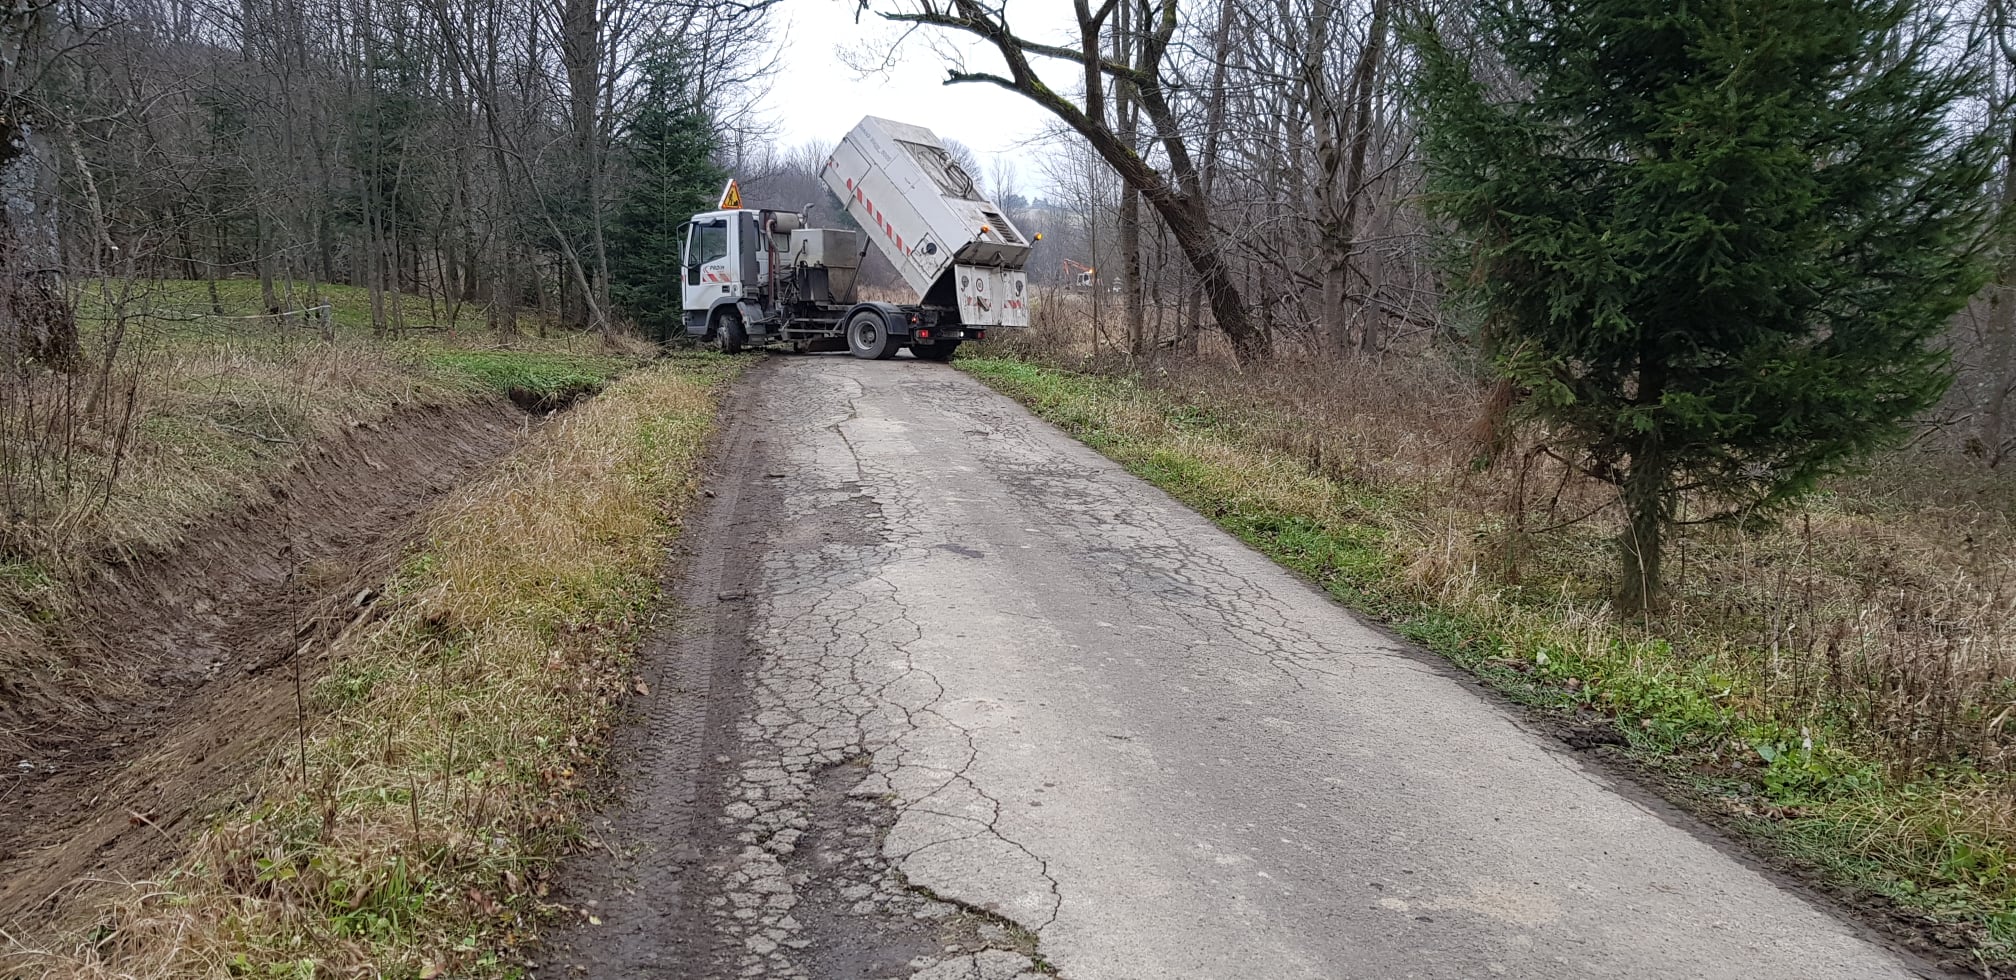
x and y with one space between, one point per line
731 196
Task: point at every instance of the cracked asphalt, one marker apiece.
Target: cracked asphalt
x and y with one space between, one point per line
962 700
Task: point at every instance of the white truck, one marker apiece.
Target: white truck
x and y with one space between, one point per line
761 276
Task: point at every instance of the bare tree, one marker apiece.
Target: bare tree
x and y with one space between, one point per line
1175 188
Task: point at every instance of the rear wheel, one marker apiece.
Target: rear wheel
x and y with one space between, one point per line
935 351
729 334
868 337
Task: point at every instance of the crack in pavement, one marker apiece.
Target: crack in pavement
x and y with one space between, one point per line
838 700
995 704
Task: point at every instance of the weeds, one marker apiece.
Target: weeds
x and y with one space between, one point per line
1837 684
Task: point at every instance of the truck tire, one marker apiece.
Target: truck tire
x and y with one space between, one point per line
868 337
729 334
936 351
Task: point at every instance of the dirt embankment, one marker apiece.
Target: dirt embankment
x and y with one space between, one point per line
188 662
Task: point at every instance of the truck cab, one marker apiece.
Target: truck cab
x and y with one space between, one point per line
721 262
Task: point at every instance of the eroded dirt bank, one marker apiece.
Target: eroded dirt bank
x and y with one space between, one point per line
192 657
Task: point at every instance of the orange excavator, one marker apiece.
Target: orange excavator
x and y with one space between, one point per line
1083 274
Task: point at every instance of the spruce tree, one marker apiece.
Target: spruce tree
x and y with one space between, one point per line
668 146
1713 242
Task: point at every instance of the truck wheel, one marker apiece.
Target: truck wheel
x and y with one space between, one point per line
937 351
868 337
729 334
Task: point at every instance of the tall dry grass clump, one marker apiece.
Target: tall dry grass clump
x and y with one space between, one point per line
1883 609
407 829
1085 330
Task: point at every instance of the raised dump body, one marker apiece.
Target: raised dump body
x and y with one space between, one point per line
928 216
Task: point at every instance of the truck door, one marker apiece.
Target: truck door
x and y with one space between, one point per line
709 274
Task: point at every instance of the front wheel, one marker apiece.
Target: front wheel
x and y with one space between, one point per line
940 350
729 333
868 337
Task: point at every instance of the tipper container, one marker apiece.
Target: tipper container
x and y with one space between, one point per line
951 244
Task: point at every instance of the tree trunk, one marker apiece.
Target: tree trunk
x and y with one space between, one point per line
581 56
1647 491
36 323
1994 436
1214 124
262 234
1364 78
504 295
1127 124
1994 433
1645 508
1333 235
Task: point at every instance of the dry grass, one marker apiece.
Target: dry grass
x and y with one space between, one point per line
1842 677
178 415
1082 330
1881 610
444 765
187 412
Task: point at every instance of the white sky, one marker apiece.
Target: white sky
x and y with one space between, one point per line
816 95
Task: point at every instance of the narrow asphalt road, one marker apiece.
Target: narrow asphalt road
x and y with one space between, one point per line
983 706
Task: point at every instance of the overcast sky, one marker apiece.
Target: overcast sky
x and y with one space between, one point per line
818 94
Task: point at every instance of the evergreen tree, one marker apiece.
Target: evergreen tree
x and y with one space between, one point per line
1714 240
668 145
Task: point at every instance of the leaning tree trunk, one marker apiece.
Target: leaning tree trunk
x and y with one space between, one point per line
37 324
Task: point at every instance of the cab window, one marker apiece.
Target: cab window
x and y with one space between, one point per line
707 243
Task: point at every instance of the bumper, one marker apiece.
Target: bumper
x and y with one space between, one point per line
946 334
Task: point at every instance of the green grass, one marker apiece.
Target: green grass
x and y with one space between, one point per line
544 375
183 307
1806 792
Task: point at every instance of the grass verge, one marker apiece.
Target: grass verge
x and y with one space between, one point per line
179 414
444 759
1691 704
